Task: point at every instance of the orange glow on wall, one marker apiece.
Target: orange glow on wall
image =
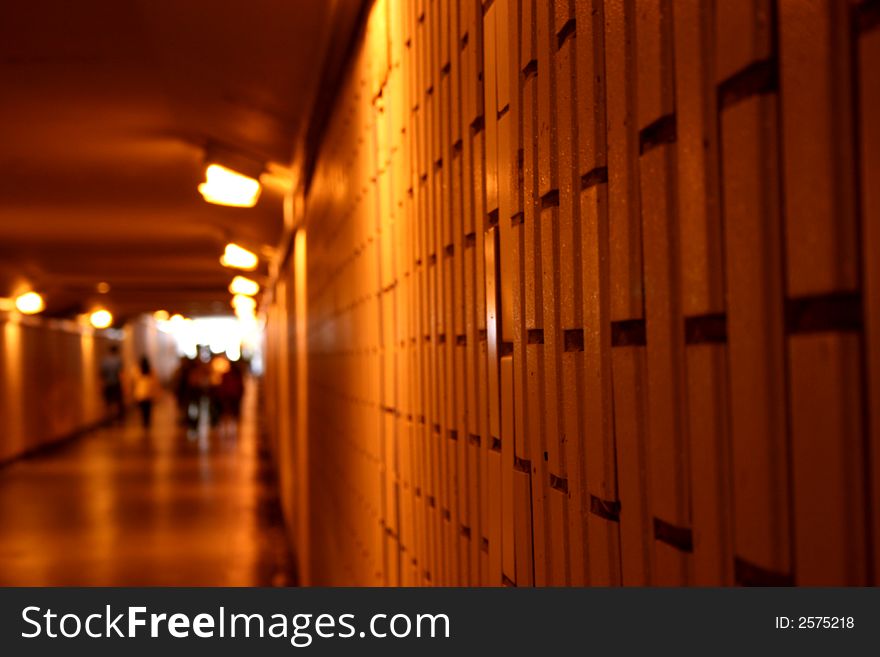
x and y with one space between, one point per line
300 309
12 371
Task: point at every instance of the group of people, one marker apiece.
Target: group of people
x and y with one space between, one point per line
207 386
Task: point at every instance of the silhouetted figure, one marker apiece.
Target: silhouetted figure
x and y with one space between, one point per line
198 387
111 378
219 367
231 391
186 397
145 388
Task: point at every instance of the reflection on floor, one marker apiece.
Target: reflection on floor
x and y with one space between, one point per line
127 507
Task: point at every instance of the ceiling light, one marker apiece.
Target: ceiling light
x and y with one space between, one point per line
242 285
103 287
245 307
101 319
227 187
244 303
239 258
161 316
30 303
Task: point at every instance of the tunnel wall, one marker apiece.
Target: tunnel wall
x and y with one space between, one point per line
50 385
593 297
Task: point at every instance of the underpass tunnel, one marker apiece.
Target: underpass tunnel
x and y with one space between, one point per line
506 293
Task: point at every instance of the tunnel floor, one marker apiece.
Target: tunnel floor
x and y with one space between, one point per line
127 507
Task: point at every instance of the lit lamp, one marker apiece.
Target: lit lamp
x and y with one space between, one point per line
244 304
30 303
245 286
101 319
224 186
237 257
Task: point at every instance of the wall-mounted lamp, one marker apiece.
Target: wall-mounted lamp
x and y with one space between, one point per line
227 187
242 285
101 319
238 257
30 303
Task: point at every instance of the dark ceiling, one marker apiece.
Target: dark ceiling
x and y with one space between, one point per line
109 111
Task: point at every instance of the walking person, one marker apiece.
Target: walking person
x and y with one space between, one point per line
184 391
198 386
231 391
146 388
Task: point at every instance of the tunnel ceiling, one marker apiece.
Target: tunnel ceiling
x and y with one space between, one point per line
109 112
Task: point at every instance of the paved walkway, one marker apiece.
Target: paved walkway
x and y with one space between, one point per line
125 507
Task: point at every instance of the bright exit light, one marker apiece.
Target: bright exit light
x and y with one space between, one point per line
227 187
234 337
242 285
30 303
101 319
245 315
237 257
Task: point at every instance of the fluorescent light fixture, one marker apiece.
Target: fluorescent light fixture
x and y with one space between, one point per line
238 257
224 186
30 303
101 319
243 303
242 285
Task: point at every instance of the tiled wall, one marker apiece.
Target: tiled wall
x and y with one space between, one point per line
594 297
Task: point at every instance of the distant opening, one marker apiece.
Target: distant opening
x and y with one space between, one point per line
221 335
